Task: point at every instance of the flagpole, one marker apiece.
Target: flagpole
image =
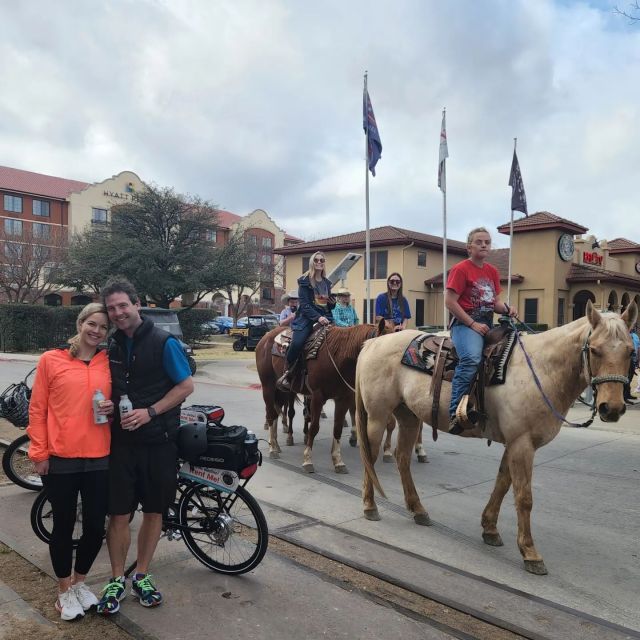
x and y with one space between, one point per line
444 236
367 249
515 144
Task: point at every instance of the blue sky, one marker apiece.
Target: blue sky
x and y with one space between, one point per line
257 104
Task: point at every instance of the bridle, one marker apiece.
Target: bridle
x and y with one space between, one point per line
592 380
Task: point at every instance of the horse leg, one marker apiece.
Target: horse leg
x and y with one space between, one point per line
375 431
387 455
342 406
408 426
520 457
306 413
353 436
317 402
491 512
291 411
274 447
420 452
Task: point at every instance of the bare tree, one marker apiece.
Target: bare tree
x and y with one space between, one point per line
30 260
632 12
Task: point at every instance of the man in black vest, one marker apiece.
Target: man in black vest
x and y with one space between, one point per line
148 365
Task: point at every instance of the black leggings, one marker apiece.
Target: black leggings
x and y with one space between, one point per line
62 490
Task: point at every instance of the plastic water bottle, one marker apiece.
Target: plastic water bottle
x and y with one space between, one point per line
251 443
98 397
125 406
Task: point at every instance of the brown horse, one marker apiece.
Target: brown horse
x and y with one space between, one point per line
592 351
329 376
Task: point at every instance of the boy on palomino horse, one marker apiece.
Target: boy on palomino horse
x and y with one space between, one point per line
316 303
472 297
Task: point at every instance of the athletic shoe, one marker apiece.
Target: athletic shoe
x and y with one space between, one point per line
142 587
68 607
85 596
112 594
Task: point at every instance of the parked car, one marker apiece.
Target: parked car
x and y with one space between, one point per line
210 328
167 319
224 323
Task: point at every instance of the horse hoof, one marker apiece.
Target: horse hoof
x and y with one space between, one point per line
536 567
492 539
274 454
308 467
422 519
289 441
342 468
266 427
372 514
422 459
387 457
353 442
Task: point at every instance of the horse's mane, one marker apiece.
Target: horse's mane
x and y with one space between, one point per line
614 327
347 341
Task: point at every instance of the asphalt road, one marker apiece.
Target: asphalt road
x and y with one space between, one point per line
586 515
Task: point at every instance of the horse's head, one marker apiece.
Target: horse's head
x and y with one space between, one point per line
609 348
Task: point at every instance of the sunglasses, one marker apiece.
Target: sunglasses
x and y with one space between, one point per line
318 259
395 281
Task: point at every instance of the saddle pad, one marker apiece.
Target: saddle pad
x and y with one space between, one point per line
500 360
311 346
413 355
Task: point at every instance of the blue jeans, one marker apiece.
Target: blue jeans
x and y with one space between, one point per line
298 339
468 344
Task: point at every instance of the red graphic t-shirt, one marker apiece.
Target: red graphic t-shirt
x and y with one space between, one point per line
477 287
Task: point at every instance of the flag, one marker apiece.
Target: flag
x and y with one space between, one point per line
374 150
444 154
518 197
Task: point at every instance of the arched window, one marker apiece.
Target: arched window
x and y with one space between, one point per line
580 303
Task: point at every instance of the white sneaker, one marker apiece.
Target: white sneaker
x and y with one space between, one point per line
68 607
85 596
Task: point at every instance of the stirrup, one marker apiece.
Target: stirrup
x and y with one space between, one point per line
283 383
466 416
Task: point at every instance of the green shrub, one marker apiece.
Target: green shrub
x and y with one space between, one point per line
191 321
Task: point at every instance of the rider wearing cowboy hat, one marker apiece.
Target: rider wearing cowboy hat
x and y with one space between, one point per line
344 315
289 312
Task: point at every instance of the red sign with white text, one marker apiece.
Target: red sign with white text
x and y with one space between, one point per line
590 257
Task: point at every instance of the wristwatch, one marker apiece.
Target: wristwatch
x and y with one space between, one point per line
152 412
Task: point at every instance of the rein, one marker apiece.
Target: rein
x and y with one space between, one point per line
372 334
594 381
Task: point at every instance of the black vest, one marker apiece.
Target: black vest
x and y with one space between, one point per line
144 380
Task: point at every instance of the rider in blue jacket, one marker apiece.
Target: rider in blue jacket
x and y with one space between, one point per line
316 303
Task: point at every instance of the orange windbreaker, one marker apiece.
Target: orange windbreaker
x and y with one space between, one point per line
61 408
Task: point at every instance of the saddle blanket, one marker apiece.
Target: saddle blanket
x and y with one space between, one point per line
311 346
422 352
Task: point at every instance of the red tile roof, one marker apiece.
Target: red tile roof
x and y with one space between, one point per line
38 184
622 245
542 220
226 219
379 237
499 258
588 273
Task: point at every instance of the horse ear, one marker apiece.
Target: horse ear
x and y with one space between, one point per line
630 315
381 327
593 315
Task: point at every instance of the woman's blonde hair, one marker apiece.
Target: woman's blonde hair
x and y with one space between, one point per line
311 272
89 310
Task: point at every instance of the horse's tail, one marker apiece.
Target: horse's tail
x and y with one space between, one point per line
363 438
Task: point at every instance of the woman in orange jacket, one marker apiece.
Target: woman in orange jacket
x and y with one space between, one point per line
70 451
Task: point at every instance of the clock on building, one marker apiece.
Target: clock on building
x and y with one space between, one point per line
637 267
565 247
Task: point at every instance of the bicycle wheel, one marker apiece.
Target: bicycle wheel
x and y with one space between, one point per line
17 466
225 531
42 519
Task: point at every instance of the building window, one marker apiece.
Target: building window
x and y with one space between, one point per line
266 243
531 310
267 294
98 216
419 313
372 310
13 227
266 258
560 311
13 203
212 235
41 208
12 250
305 264
378 266
422 258
41 230
253 240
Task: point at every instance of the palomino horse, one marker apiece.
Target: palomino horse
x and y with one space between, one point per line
591 351
330 376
